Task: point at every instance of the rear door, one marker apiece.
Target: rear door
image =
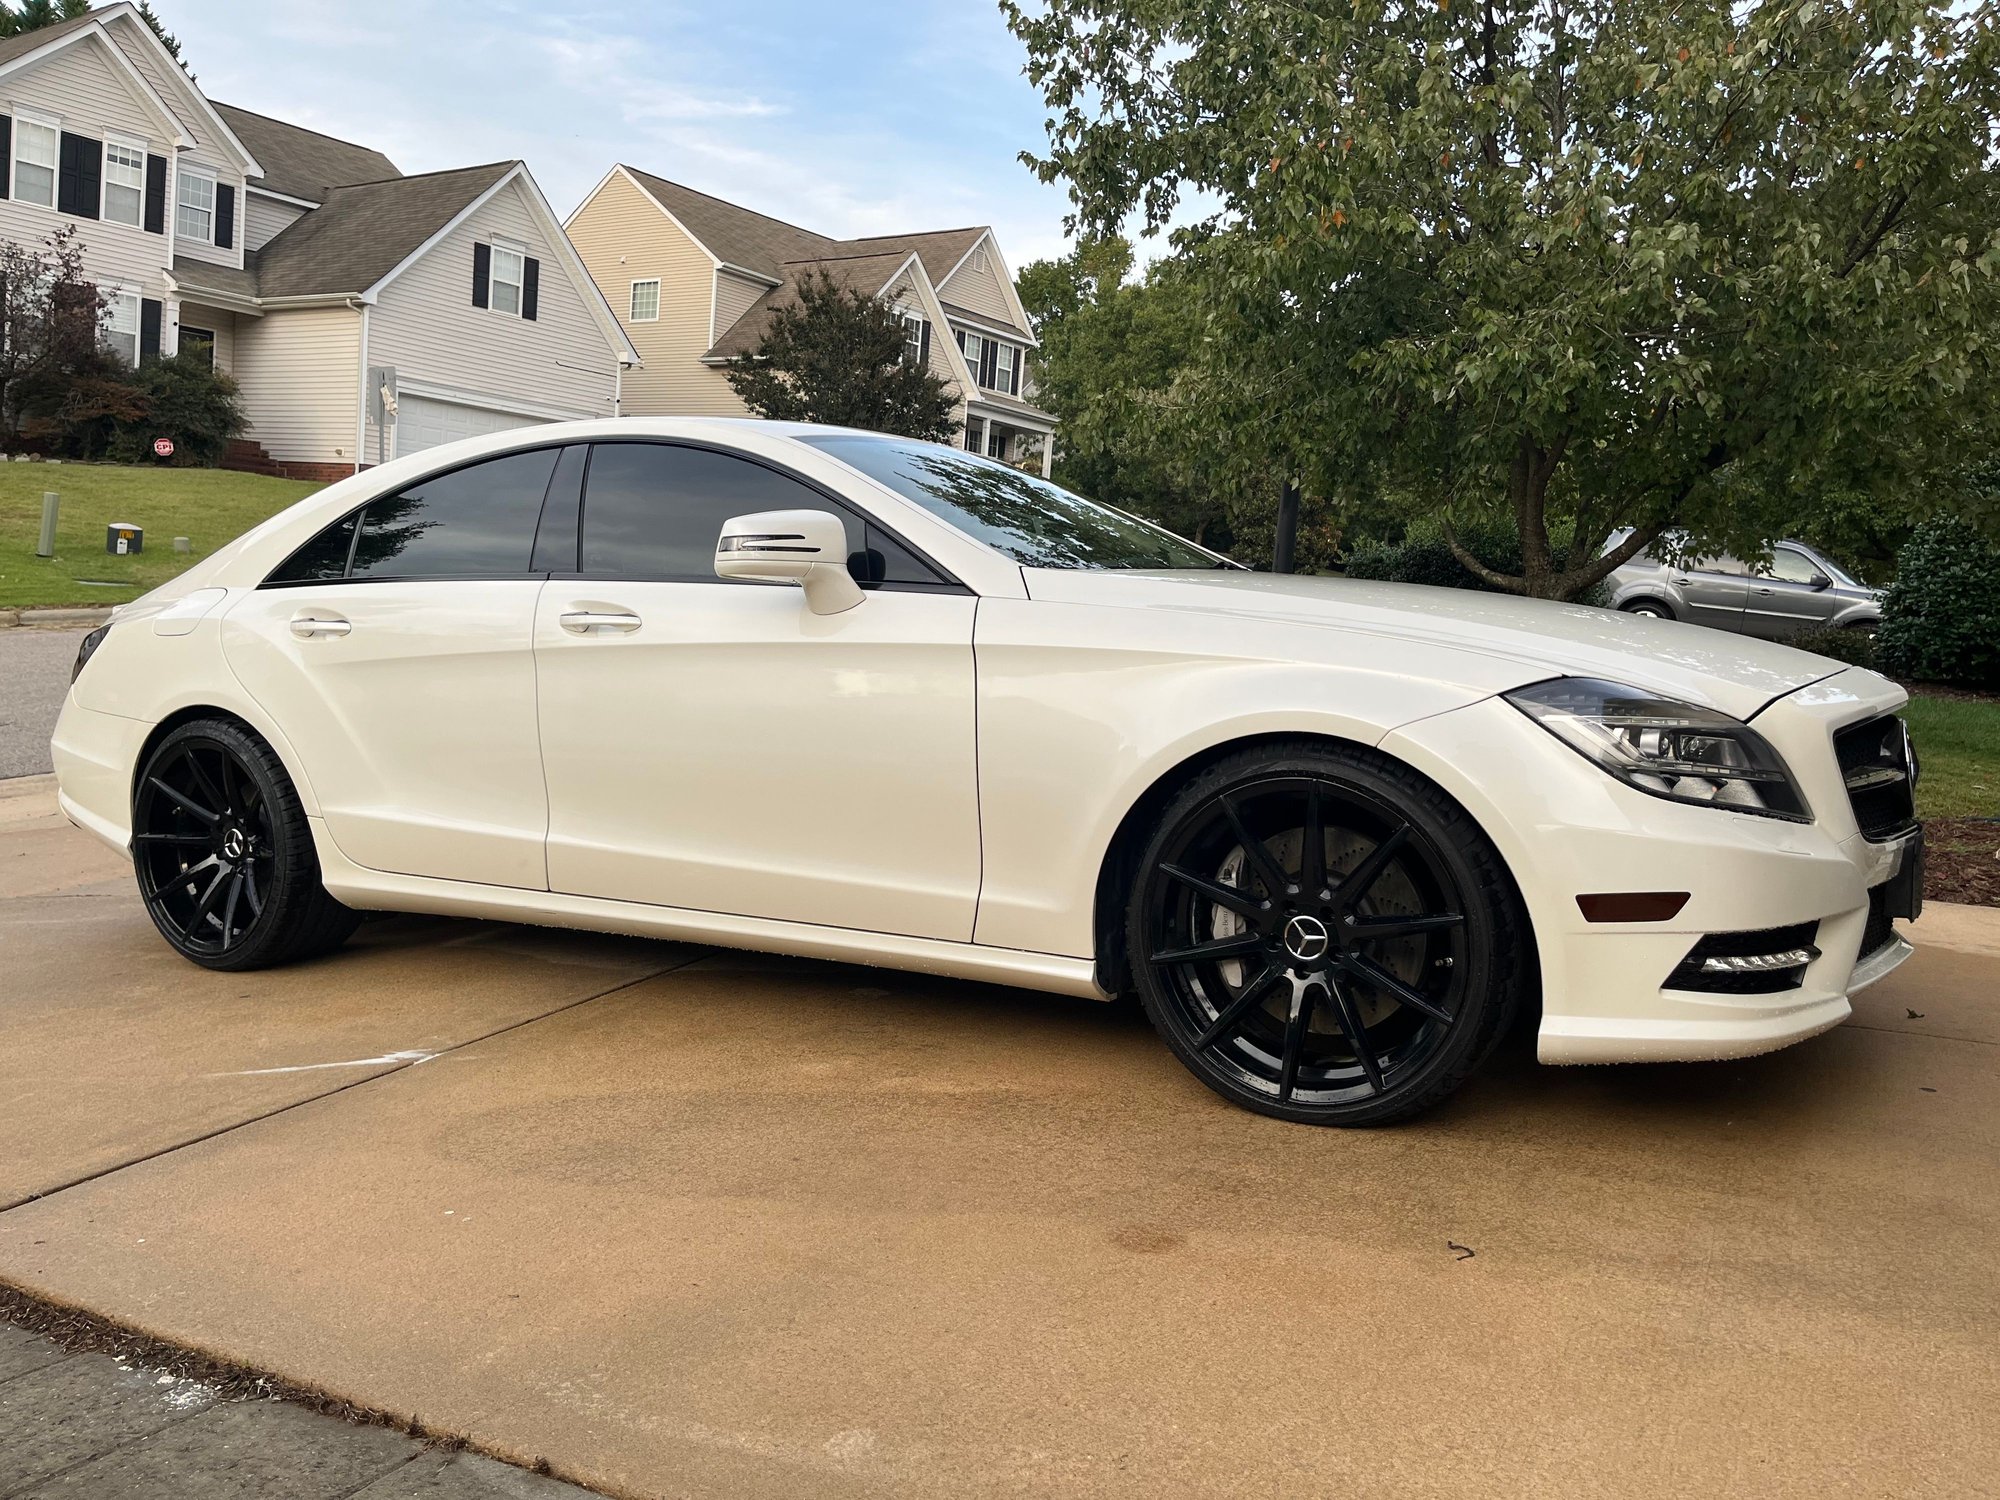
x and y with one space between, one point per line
715 745
1714 590
395 650
1795 595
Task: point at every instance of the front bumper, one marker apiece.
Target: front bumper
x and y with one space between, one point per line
1565 829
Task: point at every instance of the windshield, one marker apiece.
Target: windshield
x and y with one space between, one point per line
1036 523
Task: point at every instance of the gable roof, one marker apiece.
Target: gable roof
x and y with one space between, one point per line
731 233
364 231
303 163
30 41
866 274
770 248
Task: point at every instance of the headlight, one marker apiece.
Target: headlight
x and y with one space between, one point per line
1668 749
88 649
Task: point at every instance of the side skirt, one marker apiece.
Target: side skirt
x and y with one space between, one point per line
374 890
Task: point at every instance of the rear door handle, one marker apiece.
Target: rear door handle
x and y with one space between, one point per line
589 621
305 627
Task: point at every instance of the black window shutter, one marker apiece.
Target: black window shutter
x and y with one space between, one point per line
531 287
156 195
959 334
6 151
482 272
80 175
1014 379
225 216
924 352
149 329
989 363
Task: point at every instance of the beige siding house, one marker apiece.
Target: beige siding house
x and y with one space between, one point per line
365 314
694 280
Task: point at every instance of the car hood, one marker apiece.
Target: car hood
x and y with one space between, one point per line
1536 638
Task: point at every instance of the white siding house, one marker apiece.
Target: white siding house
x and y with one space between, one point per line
308 267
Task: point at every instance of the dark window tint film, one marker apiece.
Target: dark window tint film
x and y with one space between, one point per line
475 522
324 557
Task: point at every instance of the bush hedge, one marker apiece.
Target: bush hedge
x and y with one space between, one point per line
1424 556
109 411
1855 647
1941 619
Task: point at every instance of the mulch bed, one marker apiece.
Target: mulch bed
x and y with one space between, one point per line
1962 860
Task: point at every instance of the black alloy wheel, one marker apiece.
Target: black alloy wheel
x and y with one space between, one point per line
1322 935
223 855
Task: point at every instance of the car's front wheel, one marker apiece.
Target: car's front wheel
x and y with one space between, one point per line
223 854
1322 935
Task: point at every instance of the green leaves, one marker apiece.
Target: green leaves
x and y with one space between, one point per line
1694 251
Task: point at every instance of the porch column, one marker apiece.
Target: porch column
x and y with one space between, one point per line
1048 453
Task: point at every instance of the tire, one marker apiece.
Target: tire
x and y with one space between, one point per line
1356 990
1650 609
223 855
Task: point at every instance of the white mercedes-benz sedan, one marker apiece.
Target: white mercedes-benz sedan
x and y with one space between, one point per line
851 696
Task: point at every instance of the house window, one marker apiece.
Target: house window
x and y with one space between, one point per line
1003 368
996 442
194 207
974 434
35 146
974 347
506 280
198 343
124 182
913 338
121 325
646 301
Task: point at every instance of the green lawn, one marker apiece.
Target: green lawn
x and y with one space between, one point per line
207 506
1958 745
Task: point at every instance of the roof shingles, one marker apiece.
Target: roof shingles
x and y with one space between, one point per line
362 233
302 163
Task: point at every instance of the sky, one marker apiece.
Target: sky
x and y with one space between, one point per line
849 117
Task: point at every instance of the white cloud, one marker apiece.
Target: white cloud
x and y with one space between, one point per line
869 118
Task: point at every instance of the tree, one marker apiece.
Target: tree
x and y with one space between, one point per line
1619 264
841 356
50 315
33 15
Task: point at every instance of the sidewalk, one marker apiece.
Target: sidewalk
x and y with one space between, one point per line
92 1426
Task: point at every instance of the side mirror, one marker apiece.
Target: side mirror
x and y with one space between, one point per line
1821 581
806 547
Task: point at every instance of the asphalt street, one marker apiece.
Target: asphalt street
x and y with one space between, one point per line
34 676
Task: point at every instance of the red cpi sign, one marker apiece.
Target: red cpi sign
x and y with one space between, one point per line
164 447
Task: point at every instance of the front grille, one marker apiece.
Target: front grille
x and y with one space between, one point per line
1881 927
1691 974
1880 771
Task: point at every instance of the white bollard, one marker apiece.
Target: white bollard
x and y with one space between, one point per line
51 502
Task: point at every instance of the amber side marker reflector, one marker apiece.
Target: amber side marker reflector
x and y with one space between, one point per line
1632 906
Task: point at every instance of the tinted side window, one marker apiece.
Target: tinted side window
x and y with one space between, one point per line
324 557
475 522
652 510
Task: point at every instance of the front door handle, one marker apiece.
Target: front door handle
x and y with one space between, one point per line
590 621
305 627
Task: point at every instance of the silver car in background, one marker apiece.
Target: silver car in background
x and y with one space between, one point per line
1799 589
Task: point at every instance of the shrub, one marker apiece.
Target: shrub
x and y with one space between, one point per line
187 400
1424 556
1941 620
1855 647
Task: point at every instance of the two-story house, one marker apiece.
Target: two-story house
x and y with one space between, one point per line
695 282
364 314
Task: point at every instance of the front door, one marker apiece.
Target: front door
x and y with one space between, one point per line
395 650
1795 596
717 746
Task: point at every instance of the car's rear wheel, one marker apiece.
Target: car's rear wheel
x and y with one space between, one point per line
1322 935
1652 609
224 858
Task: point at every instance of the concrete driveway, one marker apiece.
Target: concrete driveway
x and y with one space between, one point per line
34 677
692 1223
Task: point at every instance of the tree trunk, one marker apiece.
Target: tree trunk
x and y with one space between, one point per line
1285 551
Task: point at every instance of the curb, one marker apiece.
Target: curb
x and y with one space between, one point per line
10 618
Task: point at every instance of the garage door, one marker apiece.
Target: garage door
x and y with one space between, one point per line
422 422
